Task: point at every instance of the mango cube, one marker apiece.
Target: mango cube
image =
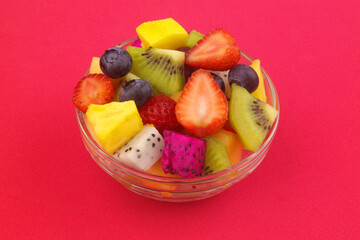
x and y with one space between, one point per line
95 66
260 91
165 34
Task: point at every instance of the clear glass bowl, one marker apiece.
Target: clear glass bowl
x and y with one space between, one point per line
175 189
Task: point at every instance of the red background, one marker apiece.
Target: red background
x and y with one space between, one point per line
306 188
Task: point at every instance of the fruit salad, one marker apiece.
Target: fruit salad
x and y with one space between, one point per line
176 103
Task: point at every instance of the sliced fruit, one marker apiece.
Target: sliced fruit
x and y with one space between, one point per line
165 34
260 91
137 43
193 38
143 150
95 66
159 110
114 123
158 170
251 118
183 155
202 108
216 51
216 157
233 145
163 69
92 89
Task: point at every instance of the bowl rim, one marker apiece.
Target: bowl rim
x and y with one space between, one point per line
201 179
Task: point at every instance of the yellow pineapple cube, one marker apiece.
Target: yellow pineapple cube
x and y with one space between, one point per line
165 34
114 123
260 91
95 66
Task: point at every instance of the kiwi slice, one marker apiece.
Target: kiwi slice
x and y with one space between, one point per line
216 157
163 69
251 118
193 38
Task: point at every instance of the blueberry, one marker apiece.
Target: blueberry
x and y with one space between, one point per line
138 90
115 62
244 76
219 81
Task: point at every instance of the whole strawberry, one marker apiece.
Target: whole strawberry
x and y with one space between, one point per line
159 110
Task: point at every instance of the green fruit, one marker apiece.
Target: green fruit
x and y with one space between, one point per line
163 69
251 118
193 38
216 157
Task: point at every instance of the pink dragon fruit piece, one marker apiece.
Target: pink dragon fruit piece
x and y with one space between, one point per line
137 43
183 155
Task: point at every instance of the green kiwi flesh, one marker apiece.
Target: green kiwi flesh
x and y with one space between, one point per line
193 38
216 157
163 69
251 118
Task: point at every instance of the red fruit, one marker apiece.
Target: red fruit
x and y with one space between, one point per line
93 89
228 127
202 108
159 110
216 51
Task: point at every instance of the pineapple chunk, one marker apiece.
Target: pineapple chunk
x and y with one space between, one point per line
114 123
260 91
95 66
165 34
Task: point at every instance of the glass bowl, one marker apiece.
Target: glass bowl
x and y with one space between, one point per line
176 189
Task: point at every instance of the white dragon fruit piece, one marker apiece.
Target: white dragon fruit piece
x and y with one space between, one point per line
143 150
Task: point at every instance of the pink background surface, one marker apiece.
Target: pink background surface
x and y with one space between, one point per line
306 188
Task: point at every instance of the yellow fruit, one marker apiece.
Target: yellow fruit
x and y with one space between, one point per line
165 34
114 123
233 145
260 91
95 66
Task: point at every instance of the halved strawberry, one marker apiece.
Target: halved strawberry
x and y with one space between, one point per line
216 51
93 89
202 108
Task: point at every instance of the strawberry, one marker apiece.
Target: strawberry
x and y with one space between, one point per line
202 108
216 51
159 110
93 89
